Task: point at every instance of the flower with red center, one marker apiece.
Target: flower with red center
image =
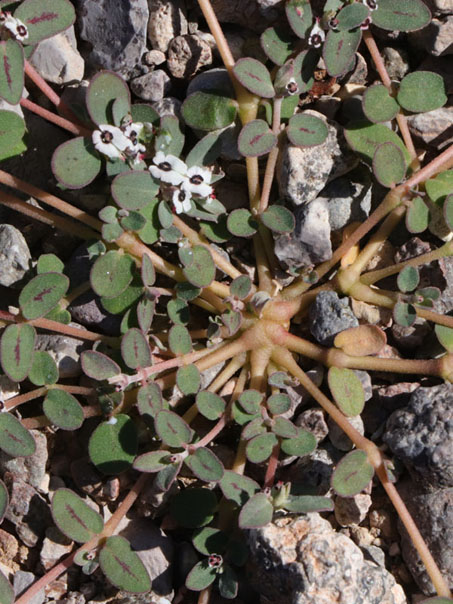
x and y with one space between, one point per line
181 201
317 35
197 181
168 168
110 141
15 26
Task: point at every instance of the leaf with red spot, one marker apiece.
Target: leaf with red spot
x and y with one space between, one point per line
42 294
254 76
306 130
404 15
111 274
123 567
75 518
16 351
339 50
11 71
205 465
256 138
45 18
15 440
135 349
300 16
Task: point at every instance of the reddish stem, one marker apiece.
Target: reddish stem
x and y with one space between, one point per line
272 467
55 119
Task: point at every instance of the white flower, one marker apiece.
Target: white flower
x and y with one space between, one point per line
372 4
133 130
15 26
197 181
168 168
366 24
317 35
181 201
110 141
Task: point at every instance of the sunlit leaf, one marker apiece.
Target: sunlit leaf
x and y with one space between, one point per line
113 446
63 409
44 18
352 16
408 279
7 595
16 350
135 349
111 274
201 271
352 474
4 500
404 314
277 43
149 400
76 163
422 91
278 403
98 366
75 518
378 105
445 336
11 71
134 190
208 110
12 130
417 216
237 487
44 370
201 576
339 50
365 137
104 89
347 390
303 444
42 294
211 405
278 219
306 130
405 15
306 504
256 139
299 15
123 567
179 340
154 461
205 465
241 223
172 429
256 512
254 76
15 440
259 448
188 379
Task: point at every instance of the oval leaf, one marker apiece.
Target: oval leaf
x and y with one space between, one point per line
254 76
205 465
378 105
75 518
134 190
76 163
113 446
405 15
256 139
111 274
448 211
351 16
306 504
300 17
135 349
352 474
238 488
260 447
404 314
256 512
241 223
149 400
201 271
422 91
44 370
154 461
417 216
12 130
208 110
15 440
172 429
347 390
278 403
277 43
306 130
11 71
45 18
98 366
105 88
211 405
179 340
16 350
7 594
278 219
188 379
4 500
339 50
42 294
364 138
123 567
63 409
408 279
303 444
201 576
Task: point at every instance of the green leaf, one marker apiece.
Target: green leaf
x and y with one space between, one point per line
440 186
169 138
166 477
123 567
347 390
16 350
232 320
241 287
134 221
135 349
98 366
206 151
12 130
445 336
209 110
7 595
284 428
125 300
154 461
241 223
63 409
165 214
437 600
44 18
15 440
339 50
141 112
201 270
278 219
105 88
378 105
306 130
259 448
306 504
211 405
148 273
448 211
389 165
417 216
300 17
205 465
193 508
44 370
364 138
149 400
256 139
238 488
406 15
134 190
422 91
304 70
111 274
254 427
303 444
11 71
256 512
277 43
201 576
351 16
179 340
404 314
408 279
254 76
49 263
76 163
188 379
210 540
186 291
172 429
352 474
228 583
250 401
278 403
113 446
42 294
75 518
4 501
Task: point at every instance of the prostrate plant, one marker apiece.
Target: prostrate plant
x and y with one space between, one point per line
245 325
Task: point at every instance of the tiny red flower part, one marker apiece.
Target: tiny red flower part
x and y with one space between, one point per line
366 24
317 35
292 87
168 168
15 26
215 561
197 181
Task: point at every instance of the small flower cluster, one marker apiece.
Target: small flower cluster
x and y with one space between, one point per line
121 143
16 27
317 35
191 181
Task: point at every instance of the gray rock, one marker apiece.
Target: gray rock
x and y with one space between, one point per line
168 106
304 171
304 561
22 581
338 438
187 55
352 510
14 255
436 38
433 127
154 57
30 469
55 546
116 31
151 86
88 311
8 388
396 61
348 199
309 243
314 421
167 19
434 517
440 7
255 14
329 315
64 350
314 470
57 59
422 435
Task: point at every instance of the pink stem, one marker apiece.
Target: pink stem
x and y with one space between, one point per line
55 119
